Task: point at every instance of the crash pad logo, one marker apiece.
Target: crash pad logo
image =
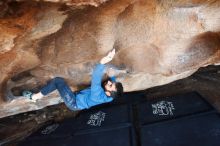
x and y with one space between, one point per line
163 108
50 129
96 119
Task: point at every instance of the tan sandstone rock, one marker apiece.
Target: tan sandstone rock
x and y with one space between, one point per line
156 42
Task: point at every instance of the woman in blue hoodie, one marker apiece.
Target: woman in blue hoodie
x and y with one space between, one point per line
96 94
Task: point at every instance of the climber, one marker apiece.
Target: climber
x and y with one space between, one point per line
96 94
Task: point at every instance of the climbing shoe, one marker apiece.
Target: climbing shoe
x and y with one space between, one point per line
27 94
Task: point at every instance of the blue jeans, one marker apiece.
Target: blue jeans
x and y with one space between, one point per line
65 92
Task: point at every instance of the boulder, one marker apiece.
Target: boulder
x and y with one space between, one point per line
156 42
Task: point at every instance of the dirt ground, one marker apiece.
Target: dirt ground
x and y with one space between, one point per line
206 81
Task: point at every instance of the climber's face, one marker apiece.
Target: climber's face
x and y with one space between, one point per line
109 86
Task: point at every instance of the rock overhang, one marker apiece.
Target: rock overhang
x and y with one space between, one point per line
156 43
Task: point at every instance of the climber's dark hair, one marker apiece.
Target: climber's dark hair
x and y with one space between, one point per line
119 88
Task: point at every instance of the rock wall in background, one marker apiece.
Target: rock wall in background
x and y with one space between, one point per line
156 42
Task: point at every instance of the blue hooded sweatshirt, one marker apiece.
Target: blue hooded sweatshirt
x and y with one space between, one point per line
95 94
